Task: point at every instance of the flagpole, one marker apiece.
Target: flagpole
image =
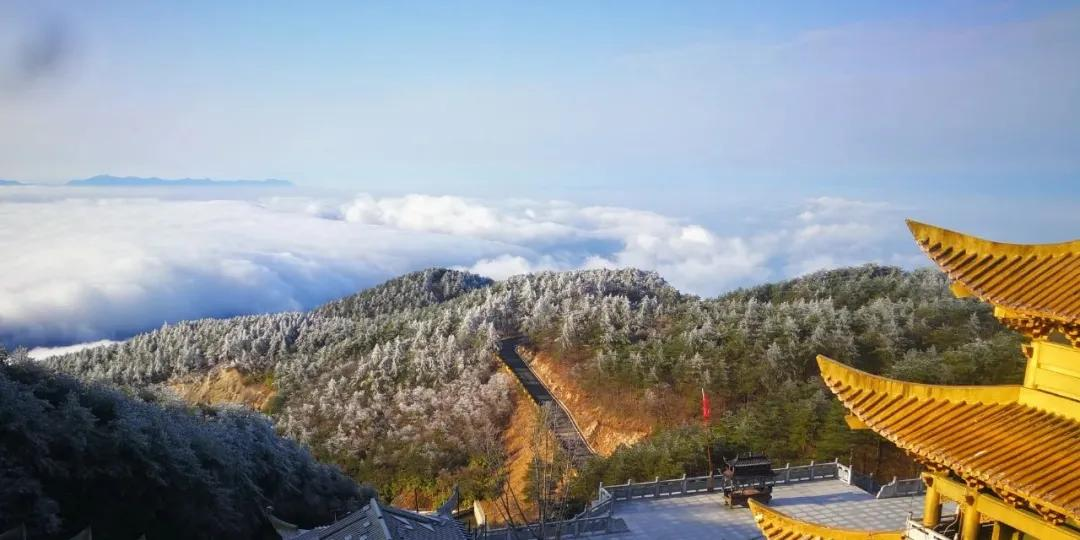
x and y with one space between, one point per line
706 412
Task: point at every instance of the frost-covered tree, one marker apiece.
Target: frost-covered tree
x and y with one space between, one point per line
74 455
399 384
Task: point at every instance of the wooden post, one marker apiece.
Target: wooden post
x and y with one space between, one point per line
656 487
684 484
811 469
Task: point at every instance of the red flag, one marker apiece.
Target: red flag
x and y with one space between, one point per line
706 411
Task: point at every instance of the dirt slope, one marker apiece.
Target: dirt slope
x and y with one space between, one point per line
516 442
227 385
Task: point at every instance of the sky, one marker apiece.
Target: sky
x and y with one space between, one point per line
720 145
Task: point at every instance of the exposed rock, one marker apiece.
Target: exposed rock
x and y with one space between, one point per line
225 385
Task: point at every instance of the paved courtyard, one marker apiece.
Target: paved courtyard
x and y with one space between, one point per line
699 517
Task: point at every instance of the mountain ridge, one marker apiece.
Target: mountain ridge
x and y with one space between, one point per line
138 181
399 384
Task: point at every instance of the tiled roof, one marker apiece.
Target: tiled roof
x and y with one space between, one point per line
1041 280
405 525
987 434
377 522
776 525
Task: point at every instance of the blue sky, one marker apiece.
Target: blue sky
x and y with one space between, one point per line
654 99
797 135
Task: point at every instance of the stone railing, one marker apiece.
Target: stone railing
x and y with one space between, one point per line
862 481
697 484
907 487
902 488
602 505
569 528
918 531
843 473
594 520
597 518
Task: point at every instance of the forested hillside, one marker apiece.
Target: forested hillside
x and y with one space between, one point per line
754 352
392 389
74 455
399 384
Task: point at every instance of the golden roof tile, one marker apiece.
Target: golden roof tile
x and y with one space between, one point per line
993 435
776 525
1036 280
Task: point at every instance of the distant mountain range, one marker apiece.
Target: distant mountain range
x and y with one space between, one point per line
11 183
135 181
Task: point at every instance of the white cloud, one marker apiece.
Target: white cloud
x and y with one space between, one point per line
82 269
835 232
832 209
454 215
504 266
83 265
695 233
40 353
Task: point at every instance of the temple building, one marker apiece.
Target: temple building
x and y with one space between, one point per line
1007 456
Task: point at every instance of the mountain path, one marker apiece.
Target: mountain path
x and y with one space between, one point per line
568 433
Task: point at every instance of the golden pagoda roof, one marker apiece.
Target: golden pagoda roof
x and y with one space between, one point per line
776 525
1033 280
1021 442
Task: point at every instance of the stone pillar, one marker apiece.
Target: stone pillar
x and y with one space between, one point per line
931 514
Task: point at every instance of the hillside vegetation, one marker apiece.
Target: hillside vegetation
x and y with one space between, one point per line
754 350
399 384
74 455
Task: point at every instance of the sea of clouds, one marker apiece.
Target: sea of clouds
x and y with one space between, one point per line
82 265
